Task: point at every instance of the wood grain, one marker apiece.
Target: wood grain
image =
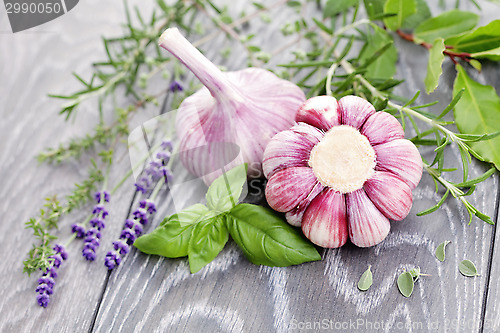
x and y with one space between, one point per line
148 293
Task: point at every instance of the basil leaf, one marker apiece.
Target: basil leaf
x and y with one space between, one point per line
405 284
384 67
434 66
467 268
171 239
366 280
484 42
477 113
192 214
440 250
207 240
422 13
402 9
266 239
448 24
334 7
224 192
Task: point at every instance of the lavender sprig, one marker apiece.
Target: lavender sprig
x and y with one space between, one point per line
133 227
46 283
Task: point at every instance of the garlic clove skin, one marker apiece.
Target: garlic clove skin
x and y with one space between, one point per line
290 148
402 158
294 217
367 225
246 107
389 194
354 111
382 127
320 111
288 187
325 221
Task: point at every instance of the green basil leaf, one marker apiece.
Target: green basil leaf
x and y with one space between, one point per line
421 14
171 239
467 268
483 42
405 284
477 113
434 66
192 214
384 67
446 25
366 280
374 8
207 240
266 239
224 192
440 250
402 9
334 7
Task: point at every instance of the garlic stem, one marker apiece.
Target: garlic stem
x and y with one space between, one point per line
211 76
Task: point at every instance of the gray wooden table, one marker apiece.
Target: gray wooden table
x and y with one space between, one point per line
148 293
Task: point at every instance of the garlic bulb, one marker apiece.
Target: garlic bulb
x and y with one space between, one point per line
342 172
230 120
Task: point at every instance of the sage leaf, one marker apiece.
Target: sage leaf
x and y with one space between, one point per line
334 7
477 113
434 66
224 192
440 250
266 239
207 240
402 9
483 42
366 280
405 284
192 214
170 239
467 268
384 67
448 24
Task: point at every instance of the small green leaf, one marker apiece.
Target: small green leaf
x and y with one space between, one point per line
440 250
477 113
224 192
483 42
467 268
384 67
434 66
374 8
171 239
402 9
421 14
415 273
266 239
405 284
366 280
446 25
334 7
207 240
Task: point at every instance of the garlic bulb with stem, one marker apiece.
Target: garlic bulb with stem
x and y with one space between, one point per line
342 172
230 120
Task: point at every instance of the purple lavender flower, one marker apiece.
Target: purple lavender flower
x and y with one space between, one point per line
78 229
46 282
93 235
131 230
156 169
175 86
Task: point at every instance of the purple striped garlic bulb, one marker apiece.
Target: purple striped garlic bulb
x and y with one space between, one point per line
342 172
230 120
